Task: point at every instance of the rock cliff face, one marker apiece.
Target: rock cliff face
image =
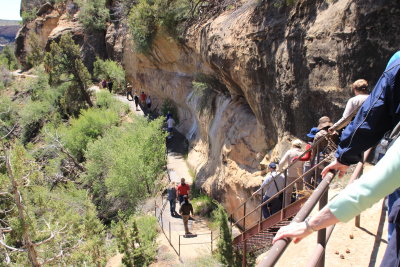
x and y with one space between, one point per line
280 68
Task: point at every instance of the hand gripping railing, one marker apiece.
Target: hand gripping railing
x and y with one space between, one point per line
320 193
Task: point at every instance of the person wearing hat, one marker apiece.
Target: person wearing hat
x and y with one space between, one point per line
294 171
360 90
185 210
272 184
307 179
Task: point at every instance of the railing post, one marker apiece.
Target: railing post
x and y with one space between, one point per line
358 218
211 242
244 217
316 172
244 260
262 200
231 222
321 239
179 246
284 191
155 208
169 229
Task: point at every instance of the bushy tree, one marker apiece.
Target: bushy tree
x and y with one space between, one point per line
90 125
64 63
93 14
8 59
123 166
224 246
110 70
35 54
45 226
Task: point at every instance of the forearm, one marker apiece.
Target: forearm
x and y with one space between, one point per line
379 182
323 219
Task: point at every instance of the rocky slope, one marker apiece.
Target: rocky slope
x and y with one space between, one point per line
279 68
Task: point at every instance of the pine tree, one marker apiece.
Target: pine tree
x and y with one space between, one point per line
64 63
224 246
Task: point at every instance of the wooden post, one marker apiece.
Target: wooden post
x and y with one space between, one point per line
169 227
321 239
261 208
211 243
179 246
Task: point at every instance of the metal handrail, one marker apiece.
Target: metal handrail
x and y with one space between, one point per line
280 246
281 191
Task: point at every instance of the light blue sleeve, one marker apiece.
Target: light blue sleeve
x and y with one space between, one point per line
267 181
379 182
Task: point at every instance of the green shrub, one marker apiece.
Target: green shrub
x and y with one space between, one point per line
90 125
29 15
203 206
106 100
150 15
35 54
93 14
137 240
110 70
123 167
8 59
8 115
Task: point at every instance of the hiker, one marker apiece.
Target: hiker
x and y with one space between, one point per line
170 126
148 102
129 91
307 178
272 184
183 190
185 210
293 171
379 114
360 90
110 86
172 198
136 99
143 98
104 83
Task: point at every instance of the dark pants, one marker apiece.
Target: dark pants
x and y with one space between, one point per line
180 199
392 257
129 94
273 206
391 200
172 204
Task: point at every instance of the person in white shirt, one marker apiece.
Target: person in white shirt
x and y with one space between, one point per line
272 184
294 171
360 89
170 126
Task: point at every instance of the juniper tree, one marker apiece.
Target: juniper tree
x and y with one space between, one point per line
64 64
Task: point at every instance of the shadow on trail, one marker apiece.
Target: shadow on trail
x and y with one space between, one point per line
177 144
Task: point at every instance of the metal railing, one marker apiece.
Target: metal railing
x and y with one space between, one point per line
320 196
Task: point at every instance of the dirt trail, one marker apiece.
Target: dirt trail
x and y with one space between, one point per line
197 245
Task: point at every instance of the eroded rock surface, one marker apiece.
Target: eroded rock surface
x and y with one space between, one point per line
280 68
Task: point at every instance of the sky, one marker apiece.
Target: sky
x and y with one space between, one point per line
9 9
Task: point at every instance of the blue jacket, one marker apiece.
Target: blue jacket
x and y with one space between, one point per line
379 114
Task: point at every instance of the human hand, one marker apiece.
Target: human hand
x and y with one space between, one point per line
335 165
296 231
294 159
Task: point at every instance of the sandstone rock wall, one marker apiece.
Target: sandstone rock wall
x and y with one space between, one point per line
283 67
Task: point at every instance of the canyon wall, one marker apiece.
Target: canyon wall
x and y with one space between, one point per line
278 67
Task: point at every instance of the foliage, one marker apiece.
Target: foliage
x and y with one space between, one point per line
64 63
29 15
123 166
224 246
35 54
106 100
8 59
8 115
5 77
137 240
110 70
150 15
93 14
203 205
90 125
48 222
168 106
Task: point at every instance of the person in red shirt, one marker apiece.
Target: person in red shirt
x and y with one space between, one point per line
143 97
183 190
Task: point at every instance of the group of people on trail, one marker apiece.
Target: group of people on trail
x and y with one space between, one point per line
378 115
297 165
180 193
142 99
